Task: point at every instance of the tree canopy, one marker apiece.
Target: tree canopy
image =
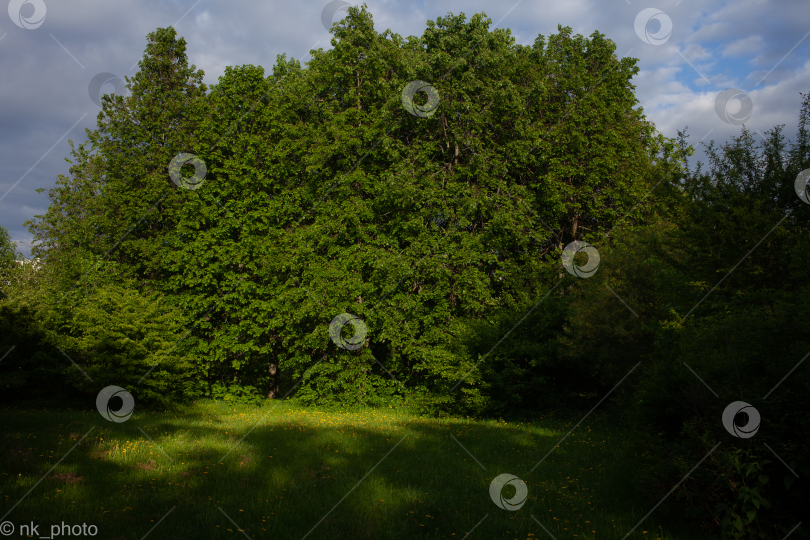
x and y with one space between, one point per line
324 195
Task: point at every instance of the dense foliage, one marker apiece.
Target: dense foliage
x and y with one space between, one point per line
324 194
8 249
718 282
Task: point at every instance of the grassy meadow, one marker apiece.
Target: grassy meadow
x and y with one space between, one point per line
309 473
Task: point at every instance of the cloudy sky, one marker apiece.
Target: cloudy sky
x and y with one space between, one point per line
690 52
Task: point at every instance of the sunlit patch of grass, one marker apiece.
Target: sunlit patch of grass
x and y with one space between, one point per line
281 470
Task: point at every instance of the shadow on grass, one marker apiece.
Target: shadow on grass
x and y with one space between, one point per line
304 473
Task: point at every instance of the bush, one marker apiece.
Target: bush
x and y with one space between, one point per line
119 336
113 333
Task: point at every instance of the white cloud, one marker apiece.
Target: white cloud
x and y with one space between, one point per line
743 47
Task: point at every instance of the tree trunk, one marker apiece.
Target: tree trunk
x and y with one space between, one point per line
275 373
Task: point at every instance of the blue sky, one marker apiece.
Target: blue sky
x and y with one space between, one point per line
759 47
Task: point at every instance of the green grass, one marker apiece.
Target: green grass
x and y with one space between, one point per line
306 471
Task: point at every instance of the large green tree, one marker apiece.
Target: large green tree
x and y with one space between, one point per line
325 194
118 199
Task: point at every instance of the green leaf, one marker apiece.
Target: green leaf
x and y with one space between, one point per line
751 514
